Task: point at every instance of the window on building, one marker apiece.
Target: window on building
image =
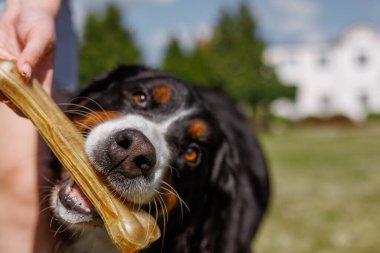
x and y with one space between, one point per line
323 61
292 59
362 60
364 101
326 104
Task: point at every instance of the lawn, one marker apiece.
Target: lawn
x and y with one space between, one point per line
326 190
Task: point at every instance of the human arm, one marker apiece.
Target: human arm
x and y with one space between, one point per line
27 34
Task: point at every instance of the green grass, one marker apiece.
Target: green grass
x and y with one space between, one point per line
326 190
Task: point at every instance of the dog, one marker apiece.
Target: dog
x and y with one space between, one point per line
187 156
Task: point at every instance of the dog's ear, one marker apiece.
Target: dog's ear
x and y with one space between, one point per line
123 72
240 183
239 196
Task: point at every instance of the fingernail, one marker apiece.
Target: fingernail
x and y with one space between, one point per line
26 70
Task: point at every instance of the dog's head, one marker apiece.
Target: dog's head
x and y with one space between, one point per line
160 145
145 130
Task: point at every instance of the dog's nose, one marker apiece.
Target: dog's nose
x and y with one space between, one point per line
132 153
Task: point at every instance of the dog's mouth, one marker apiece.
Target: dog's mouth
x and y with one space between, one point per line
72 198
131 162
73 206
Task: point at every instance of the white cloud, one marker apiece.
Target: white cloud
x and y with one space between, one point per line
293 19
81 8
164 1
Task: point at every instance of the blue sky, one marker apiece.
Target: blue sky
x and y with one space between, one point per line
279 21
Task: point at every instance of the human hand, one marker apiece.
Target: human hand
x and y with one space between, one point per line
27 35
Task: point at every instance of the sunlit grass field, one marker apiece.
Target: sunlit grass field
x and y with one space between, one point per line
326 190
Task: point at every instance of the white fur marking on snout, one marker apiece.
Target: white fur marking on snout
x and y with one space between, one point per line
155 132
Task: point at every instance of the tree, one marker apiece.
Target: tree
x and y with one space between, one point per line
175 58
105 45
232 61
193 67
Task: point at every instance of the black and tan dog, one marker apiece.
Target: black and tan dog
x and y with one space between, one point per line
188 157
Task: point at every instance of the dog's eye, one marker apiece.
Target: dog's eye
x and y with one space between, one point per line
140 99
192 154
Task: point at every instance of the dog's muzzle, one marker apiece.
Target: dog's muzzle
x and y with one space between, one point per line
131 154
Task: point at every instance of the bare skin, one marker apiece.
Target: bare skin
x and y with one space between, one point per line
26 35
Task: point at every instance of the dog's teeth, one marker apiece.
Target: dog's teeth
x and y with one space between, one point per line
71 182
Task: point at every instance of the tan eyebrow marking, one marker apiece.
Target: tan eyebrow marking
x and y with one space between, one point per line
93 119
161 94
198 129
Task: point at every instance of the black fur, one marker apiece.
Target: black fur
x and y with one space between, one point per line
228 195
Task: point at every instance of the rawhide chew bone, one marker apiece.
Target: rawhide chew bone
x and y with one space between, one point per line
129 230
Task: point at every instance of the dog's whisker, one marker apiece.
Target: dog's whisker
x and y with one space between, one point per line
155 205
150 213
57 246
57 231
140 203
80 106
171 189
83 125
85 132
68 103
92 100
173 168
46 187
45 209
156 215
66 229
94 119
79 232
68 135
157 196
162 204
181 201
51 222
123 199
76 112
74 233
83 113
149 208
48 180
45 198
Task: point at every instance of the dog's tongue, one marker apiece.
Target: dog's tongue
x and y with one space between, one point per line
79 195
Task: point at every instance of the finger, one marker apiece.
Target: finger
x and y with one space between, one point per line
39 45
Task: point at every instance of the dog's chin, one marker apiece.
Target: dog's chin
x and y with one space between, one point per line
135 191
71 206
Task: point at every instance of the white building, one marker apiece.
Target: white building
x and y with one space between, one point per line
339 78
